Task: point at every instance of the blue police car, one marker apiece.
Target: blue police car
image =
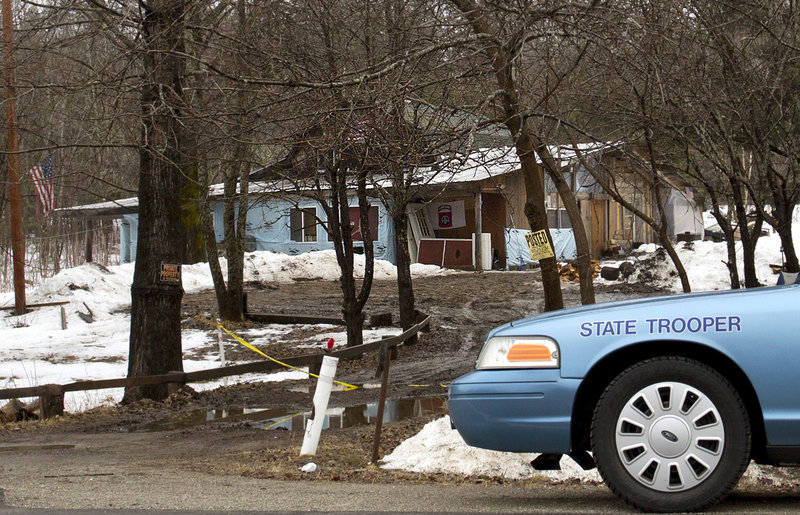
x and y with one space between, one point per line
670 397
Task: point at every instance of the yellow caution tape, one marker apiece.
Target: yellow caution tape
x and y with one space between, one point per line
281 420
347 386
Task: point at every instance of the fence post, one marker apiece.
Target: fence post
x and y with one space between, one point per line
222 361
180 381
51 400
376 441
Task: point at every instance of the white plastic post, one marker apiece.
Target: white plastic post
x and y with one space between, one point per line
219 342
321 396
222 361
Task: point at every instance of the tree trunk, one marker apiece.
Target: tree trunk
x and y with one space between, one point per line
730 241
405 288
749 240
784 230
783 210
353 317
235 248
537 219
733 269
676 261
340 234
366 237
89 241
584 258
780 218
748 237
194 247
501 61
229 295
155 337
663 236
354 302
749 253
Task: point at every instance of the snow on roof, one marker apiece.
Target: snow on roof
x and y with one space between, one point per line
479 165
108 208
486 163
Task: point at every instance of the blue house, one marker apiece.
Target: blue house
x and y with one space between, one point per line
295 226
482 194
288 225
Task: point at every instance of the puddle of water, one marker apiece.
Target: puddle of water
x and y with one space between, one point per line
42 447
351 416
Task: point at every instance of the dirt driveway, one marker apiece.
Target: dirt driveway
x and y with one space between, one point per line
464 307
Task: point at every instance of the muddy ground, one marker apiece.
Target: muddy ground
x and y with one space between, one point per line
464 307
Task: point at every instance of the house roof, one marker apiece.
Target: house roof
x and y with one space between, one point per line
446 131
111 208
478 166
492 162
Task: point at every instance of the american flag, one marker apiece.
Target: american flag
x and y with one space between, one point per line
358 130
42 175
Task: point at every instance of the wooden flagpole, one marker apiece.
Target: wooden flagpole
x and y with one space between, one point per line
12 157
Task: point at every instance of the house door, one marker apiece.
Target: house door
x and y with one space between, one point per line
598 227
494 222
418 229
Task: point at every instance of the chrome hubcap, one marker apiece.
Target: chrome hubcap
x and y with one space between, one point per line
670 437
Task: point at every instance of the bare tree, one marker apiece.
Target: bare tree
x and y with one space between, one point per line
622 96
754 47
705 102
155 342
67 109
506 34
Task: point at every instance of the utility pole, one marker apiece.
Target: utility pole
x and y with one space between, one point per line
12 157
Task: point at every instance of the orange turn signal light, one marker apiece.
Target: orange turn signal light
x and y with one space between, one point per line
528 352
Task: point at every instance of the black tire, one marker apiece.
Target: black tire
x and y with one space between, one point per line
670 434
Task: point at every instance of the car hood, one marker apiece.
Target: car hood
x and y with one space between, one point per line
650 303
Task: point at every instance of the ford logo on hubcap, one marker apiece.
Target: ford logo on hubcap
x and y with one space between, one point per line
669 436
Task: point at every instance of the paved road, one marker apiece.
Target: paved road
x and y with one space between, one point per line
111 490
141 472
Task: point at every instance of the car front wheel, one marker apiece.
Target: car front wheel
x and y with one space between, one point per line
670 434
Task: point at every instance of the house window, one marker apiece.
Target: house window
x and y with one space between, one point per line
355 223
303 223
557 217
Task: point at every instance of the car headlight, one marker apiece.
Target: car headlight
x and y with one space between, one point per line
519 352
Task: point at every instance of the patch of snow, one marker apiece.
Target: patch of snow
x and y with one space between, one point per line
35 350
705 263
439 449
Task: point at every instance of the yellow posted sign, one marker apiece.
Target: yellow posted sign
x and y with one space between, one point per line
539 245
170 273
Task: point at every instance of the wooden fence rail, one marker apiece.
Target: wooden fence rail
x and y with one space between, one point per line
52 395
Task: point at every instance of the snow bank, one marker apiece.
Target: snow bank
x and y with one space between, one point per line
705 264
112 284
35 350
439 449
